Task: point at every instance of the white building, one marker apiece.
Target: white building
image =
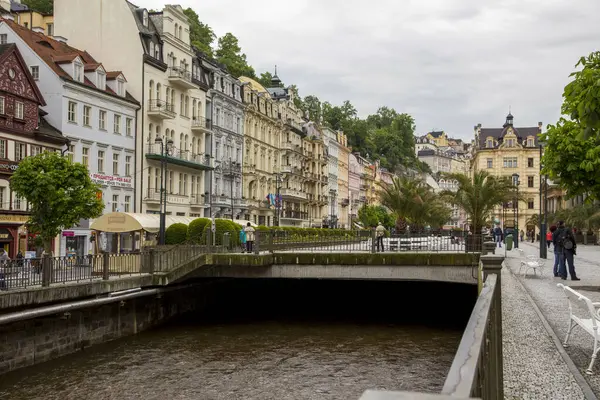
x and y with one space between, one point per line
333 149
154 48
93 109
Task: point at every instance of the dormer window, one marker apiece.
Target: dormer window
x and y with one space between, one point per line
101 84
78 72
530 142
121 87
489 143
145 18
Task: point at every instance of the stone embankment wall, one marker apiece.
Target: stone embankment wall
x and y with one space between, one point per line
34 341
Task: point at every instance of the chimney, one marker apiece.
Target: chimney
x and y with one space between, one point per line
61 39
540 124
38 29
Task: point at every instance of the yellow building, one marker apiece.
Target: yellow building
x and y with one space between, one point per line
262 153
343 181
507 151
438 137
32 19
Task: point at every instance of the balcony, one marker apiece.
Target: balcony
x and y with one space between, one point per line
345 202
230 168
287 146
286 169
201 124
294 214
152 195
181 77
183 158
324 179
292 193
249 169
295 127
161 109
198 200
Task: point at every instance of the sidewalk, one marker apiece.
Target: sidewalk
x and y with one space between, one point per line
531 352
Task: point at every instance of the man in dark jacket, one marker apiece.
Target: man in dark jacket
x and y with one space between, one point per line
565 246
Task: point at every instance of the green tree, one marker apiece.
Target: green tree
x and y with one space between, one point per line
201 35
370 216
176 233
60 193
479 196
312 105
230 54
42 6
572 160
265 79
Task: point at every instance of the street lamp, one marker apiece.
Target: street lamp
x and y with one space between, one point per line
516 183
278 181
164 151
232 164
543 221
210 184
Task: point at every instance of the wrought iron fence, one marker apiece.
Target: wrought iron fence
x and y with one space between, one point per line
367 241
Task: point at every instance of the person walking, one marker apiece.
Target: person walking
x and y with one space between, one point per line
556 254
522 234
549 236
498 235
564 242
380 233
243 240
249 230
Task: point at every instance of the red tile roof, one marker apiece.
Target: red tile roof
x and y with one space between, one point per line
54 52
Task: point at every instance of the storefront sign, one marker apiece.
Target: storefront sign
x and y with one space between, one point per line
68 233
8 167
112 180
5 235
18 219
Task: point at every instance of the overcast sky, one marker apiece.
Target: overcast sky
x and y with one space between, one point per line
449 63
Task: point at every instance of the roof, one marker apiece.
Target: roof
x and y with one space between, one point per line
10 48
47 130
17 7
498 134
436 134
254 85
54 53
278 93
136 11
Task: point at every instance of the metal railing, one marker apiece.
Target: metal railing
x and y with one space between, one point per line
161 106
367 241
180 73
201 122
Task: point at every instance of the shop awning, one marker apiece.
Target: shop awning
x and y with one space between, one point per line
118 222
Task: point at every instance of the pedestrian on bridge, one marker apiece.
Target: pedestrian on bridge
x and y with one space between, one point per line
380 233
243 240
249 230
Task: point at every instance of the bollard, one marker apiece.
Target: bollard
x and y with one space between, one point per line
488 248
373 241
106 266
46 270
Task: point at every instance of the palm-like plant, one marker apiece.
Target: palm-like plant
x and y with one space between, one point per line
414 202
533 220
478 196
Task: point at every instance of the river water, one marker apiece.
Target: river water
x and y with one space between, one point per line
298 349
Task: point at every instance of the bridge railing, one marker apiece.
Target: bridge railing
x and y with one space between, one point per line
367 241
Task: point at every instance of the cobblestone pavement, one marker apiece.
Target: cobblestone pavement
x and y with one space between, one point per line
553 304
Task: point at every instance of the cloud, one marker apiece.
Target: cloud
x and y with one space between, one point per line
451 64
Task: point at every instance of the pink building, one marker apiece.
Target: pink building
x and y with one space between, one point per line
355 171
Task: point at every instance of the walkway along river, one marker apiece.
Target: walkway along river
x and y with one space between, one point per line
272 339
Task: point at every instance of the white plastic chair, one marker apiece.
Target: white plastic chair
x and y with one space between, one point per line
532 263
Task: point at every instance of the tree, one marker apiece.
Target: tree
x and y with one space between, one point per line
60 193
312 105
571 160
370 216
201 35
479 196
230 54
176 233
414 203
42 6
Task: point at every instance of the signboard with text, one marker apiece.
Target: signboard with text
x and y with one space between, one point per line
8 167
112 180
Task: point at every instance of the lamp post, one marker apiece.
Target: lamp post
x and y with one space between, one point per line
232 164
210 184
278 181
164 151
516 183
543 203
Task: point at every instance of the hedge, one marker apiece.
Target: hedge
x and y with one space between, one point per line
176 234
223 226
196 229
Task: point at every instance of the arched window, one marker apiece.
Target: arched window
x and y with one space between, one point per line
158 89
173 99
176 30
186 109
194 109
180 33
199 110
168 94
181 104
157 131
186 142
151 90
173 135
193 145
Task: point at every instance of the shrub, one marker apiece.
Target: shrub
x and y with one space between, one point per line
221 227
176 234
196 228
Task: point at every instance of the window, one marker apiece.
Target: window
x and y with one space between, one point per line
120 87
126 205
530 142
510 142
17 202
70 151
115 164
181 184
85 159
171 179
127 165
50 29
2 190
19 110
1 105
530 162
35 72
115 202
530 204
78 72
3 38
128 123
35 150
117 124
510 162
101 84
145 18
72 112
20 151
530 181
102 120
3 148
100 161
87 111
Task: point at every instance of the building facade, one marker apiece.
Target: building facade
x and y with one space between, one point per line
506 152
31 19
24 131
228 143
90 105
174 121
356 192
343 181
332 190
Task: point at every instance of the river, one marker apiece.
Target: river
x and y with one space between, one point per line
298 349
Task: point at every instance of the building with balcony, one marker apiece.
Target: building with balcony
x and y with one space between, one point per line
318 179
356 193
24 131
31 19
507 151
343 180
262 168
93 109
332 148
227 116
173 125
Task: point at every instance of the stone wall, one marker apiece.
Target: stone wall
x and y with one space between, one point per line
35 341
